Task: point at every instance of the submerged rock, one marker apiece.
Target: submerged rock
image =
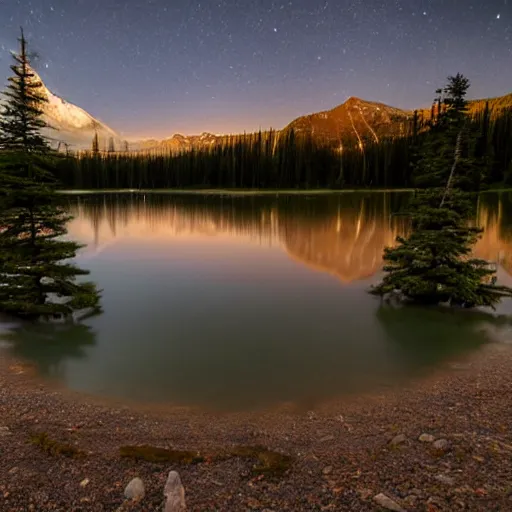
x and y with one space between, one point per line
427 438
174 493
135 490
387 503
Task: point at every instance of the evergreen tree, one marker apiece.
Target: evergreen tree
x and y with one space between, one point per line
111 145
36 276
95 144
434 264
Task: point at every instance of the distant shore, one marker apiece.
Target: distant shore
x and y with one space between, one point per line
230 191
342 454
253 192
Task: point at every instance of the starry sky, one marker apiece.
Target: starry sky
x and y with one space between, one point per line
150 68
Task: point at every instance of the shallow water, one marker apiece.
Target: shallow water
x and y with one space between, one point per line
243 302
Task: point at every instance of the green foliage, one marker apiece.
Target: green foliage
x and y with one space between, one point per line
36 276
270 160
434 264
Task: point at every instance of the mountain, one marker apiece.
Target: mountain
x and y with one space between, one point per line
355 120
177 143
495 104
70 124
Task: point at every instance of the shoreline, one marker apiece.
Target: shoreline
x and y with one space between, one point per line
341 452
231 191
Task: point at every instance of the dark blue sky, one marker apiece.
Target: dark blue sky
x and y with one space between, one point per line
155 67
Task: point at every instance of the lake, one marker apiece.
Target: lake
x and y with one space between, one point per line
241 302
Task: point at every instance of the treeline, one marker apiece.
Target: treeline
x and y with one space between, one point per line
288 159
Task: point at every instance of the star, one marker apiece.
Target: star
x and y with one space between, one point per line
498 16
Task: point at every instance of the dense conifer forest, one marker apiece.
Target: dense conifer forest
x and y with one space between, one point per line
287 159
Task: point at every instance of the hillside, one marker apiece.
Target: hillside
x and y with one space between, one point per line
177 143
357 121
71 125
354 121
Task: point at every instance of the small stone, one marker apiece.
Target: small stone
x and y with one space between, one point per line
327 470
5 431
445 479
326 439
399 439
387 503
478 458
442 445
135 489
174 493
427 438
253 503
85 482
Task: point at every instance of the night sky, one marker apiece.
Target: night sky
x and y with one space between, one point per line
155 67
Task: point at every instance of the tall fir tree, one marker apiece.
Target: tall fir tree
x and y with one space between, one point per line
95 144
36 275
434 264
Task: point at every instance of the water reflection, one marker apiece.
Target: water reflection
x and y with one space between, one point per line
241 302
341 234
53 346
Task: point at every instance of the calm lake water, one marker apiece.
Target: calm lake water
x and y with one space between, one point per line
242 302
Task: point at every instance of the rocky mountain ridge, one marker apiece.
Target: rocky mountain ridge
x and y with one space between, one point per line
356 121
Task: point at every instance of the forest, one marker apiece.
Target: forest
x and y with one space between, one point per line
289 160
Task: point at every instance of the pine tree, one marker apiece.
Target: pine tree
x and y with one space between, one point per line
434 265
95 144
36 276
111 145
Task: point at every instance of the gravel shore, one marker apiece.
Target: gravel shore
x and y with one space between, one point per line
343 454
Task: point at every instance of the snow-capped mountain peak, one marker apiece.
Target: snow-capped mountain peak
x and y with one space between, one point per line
69 123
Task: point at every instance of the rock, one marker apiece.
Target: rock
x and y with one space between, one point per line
5 431
444 479
442 445
85 482
135 490
427 438
387 503
327 470
326 439
174 493
399 439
